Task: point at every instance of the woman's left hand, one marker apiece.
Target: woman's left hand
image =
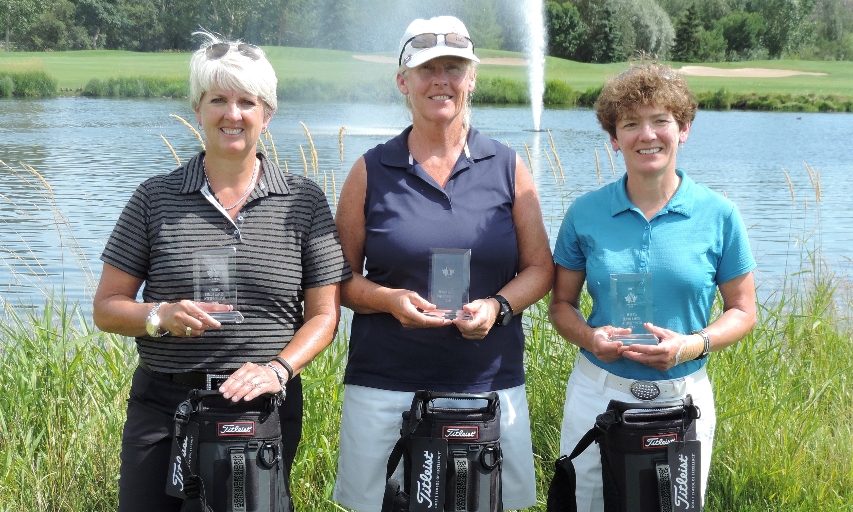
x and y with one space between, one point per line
483 316
660 356
250 382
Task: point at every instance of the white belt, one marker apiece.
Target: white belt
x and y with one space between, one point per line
640 389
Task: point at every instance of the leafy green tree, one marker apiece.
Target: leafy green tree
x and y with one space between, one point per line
54 30
566 31
743 33
787 27
481 19
712 46
16 16
603 41
687 29
99 17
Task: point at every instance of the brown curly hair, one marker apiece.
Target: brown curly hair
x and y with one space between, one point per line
642 84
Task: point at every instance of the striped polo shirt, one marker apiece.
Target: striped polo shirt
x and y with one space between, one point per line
285 241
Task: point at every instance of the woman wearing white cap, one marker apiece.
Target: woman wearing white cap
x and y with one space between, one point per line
439 184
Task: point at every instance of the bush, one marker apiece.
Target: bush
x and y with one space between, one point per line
720 99
588 97
558 92
500 91
137 87
28 84
7 86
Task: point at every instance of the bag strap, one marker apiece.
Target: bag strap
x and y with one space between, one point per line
193 485
664 479
561 492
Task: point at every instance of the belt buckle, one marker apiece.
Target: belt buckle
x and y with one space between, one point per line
214 380
645 390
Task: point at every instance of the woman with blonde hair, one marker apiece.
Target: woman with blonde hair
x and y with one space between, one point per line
439 184
288 265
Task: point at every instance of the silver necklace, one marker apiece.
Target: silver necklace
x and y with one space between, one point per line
248 188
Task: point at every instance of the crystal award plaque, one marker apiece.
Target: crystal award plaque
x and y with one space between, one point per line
631 306
449 282
214 279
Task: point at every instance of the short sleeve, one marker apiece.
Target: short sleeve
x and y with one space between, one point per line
567 249
736 258
128 247
322 257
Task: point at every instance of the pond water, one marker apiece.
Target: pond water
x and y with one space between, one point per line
88 155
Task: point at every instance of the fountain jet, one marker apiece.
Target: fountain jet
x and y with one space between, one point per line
535 48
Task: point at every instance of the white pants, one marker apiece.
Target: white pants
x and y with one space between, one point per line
587 398
370 427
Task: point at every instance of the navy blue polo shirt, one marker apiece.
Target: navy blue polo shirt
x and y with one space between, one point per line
406 214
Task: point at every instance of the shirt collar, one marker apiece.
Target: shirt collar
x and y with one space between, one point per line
397 149
272 179
681 202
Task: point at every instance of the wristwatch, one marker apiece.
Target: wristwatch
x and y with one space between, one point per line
152 323
505 314
706 349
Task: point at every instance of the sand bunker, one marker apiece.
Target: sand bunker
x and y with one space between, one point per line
743 72
498 61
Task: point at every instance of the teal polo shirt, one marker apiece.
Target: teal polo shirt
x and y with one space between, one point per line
696 242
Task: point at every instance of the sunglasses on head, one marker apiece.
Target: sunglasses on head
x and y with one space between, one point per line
219 50
422 41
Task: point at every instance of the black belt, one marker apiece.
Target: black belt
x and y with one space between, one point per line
198 380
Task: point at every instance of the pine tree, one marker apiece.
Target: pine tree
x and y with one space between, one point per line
687 41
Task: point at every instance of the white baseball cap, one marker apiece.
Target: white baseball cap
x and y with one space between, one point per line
449 38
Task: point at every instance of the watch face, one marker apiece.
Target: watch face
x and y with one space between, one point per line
506 316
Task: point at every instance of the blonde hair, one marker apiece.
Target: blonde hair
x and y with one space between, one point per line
645 84
231 71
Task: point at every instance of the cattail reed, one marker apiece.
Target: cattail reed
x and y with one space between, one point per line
341 142
192 129
529 160
175 155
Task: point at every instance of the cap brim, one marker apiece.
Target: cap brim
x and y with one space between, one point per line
440 51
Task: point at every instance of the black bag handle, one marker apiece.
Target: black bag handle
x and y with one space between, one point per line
421 400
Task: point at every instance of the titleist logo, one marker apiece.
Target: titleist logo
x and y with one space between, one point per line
650 442
680 487
424 494
469 433
237 428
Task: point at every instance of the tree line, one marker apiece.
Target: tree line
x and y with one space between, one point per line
582 30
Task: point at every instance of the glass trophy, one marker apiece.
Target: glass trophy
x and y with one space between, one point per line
631 307
449 282
214 280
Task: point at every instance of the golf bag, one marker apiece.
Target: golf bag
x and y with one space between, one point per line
650 459
226 457
451 457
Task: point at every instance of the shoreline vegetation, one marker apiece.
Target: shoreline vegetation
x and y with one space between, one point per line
785 418
312 75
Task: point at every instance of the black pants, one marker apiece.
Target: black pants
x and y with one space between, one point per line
147 439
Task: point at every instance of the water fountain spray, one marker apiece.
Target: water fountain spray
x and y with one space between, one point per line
535 48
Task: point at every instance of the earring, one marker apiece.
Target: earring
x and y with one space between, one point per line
680 145
616 152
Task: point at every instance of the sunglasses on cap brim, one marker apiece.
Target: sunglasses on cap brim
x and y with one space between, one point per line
219 50
423 41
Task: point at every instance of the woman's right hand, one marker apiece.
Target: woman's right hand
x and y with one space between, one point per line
176 317
603 347
408 308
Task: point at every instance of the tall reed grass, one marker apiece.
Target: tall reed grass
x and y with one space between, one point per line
785 414
27 81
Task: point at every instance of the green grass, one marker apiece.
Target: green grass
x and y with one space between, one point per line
784 437
74 70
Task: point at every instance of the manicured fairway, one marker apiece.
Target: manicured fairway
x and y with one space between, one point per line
75 69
